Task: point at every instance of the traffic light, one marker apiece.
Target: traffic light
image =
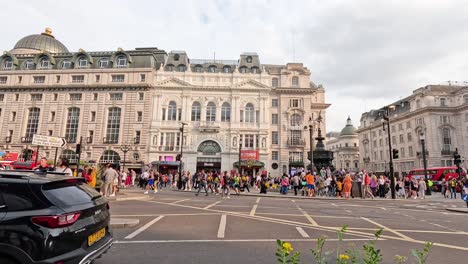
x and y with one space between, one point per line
456 158
177 157
78 149
395 153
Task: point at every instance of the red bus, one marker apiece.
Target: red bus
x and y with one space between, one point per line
435 174
24 165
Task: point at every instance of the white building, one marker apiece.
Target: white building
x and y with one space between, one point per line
439 111
345 148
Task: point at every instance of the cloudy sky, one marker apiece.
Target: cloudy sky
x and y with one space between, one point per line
365 53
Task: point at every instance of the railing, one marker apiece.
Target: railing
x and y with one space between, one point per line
70 139
446 152
26 139
296 143
110 140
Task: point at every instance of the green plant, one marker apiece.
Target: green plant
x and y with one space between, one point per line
400 259
319 257
421 255
283 252
372 255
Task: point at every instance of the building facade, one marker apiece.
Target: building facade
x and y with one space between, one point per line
440 112
139 98
345 148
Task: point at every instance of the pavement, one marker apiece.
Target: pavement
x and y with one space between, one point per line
179 227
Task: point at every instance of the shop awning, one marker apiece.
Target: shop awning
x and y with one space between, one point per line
249 163
296 164
166 163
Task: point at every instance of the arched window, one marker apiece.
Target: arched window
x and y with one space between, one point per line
8 64
113 125
172 111
443 102
73 120
181 68
211 112
82 62
66 64
212 68
249 59
249 113
227 69
28 65
295 81
243 69
155 140
104 63
295 120
446 140
122 61
169 67
33 123
110 156
196 111
274 82
198 68
226 112
45 63
255 69
209 147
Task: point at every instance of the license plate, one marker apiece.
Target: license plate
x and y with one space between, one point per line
96 236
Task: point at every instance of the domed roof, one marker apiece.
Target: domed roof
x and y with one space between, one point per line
349 129
38 43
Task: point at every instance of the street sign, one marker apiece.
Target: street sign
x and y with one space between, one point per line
47 141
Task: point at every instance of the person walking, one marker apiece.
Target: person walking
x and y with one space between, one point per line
64 167
296 183
443 187
367 190
202 183
310 179
414 188
452 185
284 185
108 177
225 185
422 188
347 185
382 186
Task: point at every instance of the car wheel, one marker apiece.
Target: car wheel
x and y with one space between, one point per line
7 260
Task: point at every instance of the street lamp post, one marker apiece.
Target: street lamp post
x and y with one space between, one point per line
124 148
422 138
390 163
311 140
179 181
239 168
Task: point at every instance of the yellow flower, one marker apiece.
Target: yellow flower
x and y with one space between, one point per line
287 247
344 257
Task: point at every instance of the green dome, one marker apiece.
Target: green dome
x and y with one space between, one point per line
349 129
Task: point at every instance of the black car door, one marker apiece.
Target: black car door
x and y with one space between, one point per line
3 206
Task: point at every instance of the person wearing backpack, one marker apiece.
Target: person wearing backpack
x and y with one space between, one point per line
452 185
202 183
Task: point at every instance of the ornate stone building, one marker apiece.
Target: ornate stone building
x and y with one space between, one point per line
139 98
345 148
440 111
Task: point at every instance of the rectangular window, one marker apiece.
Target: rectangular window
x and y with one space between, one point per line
137 137
75 97
20 79
402 140
116 96
118 78
141 96
50 132
2 97
55 97
0 112
402 152
98 78
90 136
274 102
57 79
142 77
274 155
408 125
444 119
274 137
394 139
3 79
296 157
274 119
77 78
420 121
295 103
95 96
296 138
380 142
103 63
93 116
410 151
410 137
36 97
392 129
13 116
164 114
39 79
275 82
249 141
139 116
400 127
380 132
52 116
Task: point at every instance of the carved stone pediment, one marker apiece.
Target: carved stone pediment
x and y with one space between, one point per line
250 84
173 82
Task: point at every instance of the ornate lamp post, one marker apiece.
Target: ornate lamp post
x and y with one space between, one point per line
124 148
390 163
310 126
422 138
179 181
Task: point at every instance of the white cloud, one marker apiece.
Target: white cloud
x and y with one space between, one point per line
365 53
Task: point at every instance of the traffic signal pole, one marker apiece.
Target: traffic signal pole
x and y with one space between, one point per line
390 151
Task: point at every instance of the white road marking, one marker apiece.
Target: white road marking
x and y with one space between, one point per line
213 204
222 226
143 228
389 229
254 208
234 240
179 201
311 220
334 204
348 211
383 208
302 232
258 200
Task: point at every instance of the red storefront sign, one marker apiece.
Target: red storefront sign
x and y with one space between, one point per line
12 156
249 155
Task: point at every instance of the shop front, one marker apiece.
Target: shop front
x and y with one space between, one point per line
249 163
166 167
209 164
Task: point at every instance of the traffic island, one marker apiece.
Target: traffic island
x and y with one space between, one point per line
123 222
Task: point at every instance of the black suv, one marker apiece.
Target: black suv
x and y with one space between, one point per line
50 218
